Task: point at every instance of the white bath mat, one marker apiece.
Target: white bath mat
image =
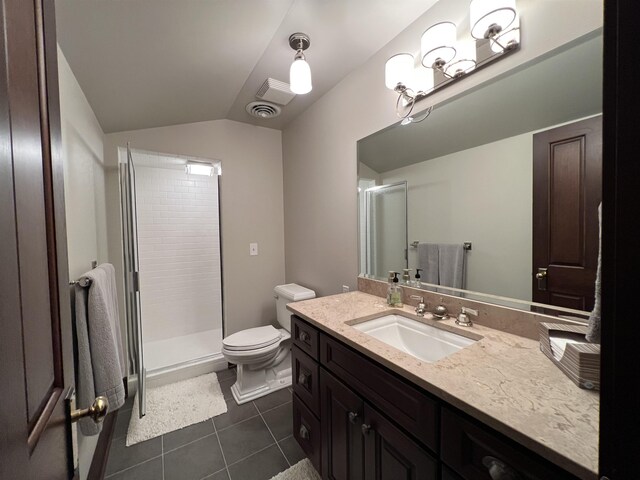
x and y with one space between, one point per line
303 470
176 405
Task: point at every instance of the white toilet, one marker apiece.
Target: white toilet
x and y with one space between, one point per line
263 354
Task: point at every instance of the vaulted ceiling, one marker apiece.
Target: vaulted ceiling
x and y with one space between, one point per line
151 63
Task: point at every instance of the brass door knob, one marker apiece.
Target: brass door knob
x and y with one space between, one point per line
97 411
542 274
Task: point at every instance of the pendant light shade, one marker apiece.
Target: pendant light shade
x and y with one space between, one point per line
438 44
398 70
300 76
300 72
486 16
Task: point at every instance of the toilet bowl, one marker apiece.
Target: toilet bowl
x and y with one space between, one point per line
263 354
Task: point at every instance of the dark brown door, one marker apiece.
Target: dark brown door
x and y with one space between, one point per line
567 189
36 366
392 455
342 439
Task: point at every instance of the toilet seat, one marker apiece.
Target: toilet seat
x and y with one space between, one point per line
252 339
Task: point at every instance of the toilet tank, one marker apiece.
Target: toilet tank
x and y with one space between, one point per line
291 292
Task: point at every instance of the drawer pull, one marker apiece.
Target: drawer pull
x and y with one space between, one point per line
303 379
304 336
365 429
304 432
498 470
353 417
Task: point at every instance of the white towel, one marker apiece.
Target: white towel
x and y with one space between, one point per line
451 264
428 259
101 366
593 334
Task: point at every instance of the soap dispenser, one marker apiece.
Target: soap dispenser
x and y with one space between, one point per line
396 292
390 284
406 277
417 282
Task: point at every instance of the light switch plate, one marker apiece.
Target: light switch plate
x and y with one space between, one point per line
253 249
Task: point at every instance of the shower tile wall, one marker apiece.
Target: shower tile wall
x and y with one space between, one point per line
179 248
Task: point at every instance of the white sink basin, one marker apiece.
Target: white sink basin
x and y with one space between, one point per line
423 341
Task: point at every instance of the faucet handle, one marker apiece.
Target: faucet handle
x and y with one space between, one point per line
421 308
470 311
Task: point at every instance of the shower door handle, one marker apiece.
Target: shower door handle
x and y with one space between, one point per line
135 277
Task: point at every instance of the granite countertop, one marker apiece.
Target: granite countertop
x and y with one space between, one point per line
502 380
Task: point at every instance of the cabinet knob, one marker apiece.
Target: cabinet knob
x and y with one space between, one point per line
304 336
365 429
498 470
353 417
304 432
303 379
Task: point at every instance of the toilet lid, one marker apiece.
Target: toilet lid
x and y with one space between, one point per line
252 338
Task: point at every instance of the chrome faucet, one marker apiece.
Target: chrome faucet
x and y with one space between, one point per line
463 319
421 308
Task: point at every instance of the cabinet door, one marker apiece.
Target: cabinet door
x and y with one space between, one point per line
341 413
392 455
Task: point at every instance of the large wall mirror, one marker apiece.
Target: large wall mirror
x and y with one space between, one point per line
512 169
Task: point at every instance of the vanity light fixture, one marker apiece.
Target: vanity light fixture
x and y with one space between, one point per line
199 168
300 72
444 57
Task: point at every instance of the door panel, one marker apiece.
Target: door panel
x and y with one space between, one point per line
341 413
36 367
392 455
567 189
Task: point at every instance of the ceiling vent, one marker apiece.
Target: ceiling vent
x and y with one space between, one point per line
263 109
275 91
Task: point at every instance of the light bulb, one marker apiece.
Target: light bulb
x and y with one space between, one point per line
398 70
438 44
300 76
488 15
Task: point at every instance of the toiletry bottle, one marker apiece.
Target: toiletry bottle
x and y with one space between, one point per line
390 282
406 277
396 292
417 282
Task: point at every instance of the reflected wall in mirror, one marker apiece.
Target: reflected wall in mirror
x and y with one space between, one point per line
512 166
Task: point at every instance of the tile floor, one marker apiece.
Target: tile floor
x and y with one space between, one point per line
250 442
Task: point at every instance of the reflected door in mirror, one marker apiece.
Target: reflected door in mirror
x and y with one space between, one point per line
567 189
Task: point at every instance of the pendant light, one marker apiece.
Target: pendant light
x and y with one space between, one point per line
300 72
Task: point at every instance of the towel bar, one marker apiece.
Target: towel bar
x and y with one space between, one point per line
465 245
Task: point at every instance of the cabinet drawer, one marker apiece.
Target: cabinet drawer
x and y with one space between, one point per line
305 337
306 431
474 451
306 379
412 409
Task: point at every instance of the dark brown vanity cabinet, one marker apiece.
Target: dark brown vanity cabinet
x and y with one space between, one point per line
357 420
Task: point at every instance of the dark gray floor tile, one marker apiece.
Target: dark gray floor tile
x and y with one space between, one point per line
225 386
261 466
195 460
280 421
122 423
235 413
188 434
226 374
244 438
151 470
291 450
121 456
273 400
221 475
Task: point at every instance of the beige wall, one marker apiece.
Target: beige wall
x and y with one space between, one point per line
84 192
251 207
319 147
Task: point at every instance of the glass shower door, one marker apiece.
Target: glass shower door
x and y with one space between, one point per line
131 276
386 229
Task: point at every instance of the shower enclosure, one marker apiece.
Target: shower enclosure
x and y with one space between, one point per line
172 266
383 228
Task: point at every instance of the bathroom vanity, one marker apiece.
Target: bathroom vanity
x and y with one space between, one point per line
494 409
